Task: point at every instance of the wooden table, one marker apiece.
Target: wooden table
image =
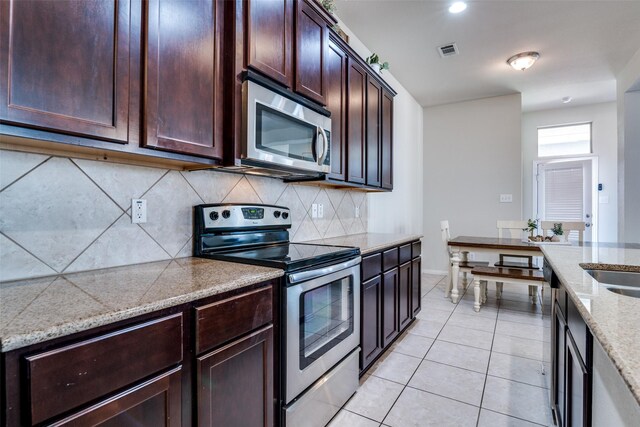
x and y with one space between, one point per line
461 245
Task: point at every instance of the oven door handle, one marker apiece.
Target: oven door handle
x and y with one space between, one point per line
312 274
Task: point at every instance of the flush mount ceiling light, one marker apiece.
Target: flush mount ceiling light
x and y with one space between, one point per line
567 99
523 60
457 7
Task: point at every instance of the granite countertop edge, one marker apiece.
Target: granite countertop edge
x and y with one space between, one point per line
17 341
360 240
625 372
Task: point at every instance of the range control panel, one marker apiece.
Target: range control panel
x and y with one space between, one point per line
243 216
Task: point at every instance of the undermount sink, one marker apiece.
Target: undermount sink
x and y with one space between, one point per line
621 282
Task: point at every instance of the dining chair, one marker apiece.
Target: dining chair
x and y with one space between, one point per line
567 227
465 265
514 230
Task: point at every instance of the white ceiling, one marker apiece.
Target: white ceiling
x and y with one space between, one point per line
583 45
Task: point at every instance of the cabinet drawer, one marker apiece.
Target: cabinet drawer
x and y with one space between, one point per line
389 259
371 266
561 297
405 253
65 378
578 329
416 249
224 320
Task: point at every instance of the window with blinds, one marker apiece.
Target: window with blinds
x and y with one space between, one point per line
564 194
564 140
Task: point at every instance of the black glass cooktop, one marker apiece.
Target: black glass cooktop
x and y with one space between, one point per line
288 256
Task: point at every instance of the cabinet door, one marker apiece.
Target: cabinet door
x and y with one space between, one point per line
154 403
416 286
578 405
336 96
387 140
311 42
558 366
235 382
374 96
183 90
390 326
404 295
356 122
269 33
65 66
371 339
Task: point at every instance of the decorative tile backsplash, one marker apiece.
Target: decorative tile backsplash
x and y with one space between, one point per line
60 214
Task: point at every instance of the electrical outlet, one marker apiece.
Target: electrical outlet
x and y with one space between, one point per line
320 210
138 211
357 211
506 198
314 210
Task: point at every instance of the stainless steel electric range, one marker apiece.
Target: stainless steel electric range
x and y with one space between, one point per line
319 310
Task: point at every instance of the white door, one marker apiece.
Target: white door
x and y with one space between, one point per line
564 191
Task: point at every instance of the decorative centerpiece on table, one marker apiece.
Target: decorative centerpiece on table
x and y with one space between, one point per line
374 61
532 228
558 233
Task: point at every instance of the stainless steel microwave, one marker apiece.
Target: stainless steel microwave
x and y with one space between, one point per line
281 134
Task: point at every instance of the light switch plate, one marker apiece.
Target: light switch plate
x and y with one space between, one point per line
320 210
506 198
357 212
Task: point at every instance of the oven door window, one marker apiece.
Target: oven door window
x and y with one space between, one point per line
284 135
326 318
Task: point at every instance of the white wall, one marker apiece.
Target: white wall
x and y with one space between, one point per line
401 210
628 153
472 154
604 143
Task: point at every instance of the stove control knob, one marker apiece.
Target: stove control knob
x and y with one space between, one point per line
214 215
276 214
226 214
285 215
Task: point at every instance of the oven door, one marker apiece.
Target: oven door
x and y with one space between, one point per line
281 132
322 322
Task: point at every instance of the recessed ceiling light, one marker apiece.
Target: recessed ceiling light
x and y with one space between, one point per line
567 99
523 60
457 7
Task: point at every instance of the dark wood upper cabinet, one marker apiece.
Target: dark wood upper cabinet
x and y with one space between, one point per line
356 122
311 43
374 95
184 76
269 38
336 84
235 382
65 66
386 163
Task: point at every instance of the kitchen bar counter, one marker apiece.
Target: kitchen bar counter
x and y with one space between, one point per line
369 242
36 310
613 319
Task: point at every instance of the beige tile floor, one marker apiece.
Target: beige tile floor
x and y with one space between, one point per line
456 367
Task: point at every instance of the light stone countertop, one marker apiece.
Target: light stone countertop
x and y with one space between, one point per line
37 310
613 319
369 242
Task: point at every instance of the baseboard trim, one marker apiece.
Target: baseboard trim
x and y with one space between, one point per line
445 272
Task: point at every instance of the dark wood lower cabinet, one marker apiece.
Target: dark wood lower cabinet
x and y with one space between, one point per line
416 286
560 327
235 382
371 339
390 297
154 403
390 326
404 295
578 390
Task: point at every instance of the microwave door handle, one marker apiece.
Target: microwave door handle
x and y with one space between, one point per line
325 145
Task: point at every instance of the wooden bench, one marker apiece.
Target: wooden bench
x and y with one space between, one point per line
502 274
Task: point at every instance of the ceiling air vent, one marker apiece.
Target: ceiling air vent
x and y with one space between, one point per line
448 50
